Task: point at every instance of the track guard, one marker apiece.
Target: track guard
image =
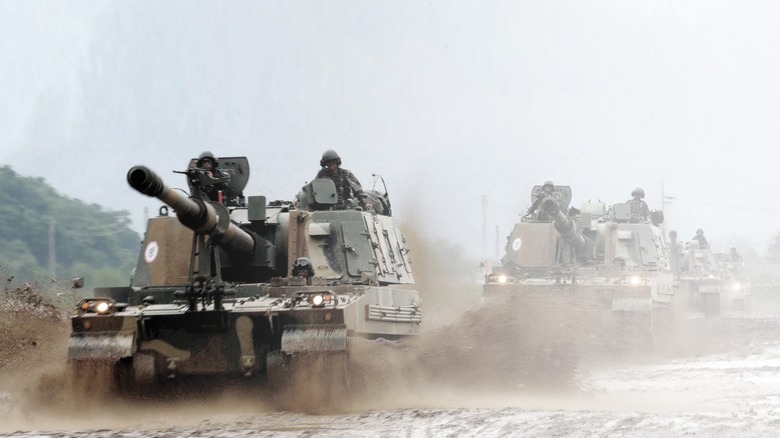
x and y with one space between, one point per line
314 338
101 346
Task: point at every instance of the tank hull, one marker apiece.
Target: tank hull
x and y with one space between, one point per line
598 318
239 338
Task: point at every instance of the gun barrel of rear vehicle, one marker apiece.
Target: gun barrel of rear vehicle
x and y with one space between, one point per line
199 216
564 225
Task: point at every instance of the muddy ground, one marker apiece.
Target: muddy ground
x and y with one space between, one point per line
713 376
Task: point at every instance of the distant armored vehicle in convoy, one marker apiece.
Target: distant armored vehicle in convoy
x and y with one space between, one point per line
698 276
736 291
213 292
604 272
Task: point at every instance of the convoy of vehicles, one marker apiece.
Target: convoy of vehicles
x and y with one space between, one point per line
216 293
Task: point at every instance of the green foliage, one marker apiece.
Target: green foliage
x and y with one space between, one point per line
87 239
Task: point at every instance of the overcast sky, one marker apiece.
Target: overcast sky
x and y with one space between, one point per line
449 100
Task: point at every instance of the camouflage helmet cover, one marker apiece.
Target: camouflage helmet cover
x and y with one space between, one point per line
328 156
207 155
639 191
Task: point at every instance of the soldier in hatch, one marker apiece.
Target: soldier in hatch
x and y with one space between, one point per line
638 207
302 268
347 185
699 237
209 166
547 190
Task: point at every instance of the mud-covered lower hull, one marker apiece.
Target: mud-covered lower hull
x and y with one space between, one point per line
597 318
248 338
700 295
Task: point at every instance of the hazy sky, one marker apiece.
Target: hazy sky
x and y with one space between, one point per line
449 100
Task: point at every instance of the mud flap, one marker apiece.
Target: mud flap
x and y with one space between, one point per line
314 338
101 346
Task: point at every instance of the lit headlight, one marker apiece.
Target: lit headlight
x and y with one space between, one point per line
97 305
101 307
314 299
635 280
736 286
500 279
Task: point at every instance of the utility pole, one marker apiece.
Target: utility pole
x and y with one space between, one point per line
498 253
664 200
484 225
52 250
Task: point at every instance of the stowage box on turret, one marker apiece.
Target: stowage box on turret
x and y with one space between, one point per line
213 294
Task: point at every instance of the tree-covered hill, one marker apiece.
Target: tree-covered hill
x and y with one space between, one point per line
45 234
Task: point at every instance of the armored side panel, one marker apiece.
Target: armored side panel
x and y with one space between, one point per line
165 254
351 246
532 245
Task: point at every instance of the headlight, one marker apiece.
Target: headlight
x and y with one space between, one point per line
314 299
736 286
500 279
635 280
97 305
101 307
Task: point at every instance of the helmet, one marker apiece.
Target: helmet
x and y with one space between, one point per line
548 183
204 155
699 232
639 191
303 264
328 156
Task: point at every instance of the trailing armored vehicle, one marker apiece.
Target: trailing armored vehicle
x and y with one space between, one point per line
599 272
213 292
736 290
698 276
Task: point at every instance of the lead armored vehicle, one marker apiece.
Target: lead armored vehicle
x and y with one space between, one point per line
598 272
213 292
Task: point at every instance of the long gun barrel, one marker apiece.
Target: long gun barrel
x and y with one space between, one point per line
197 215
565 226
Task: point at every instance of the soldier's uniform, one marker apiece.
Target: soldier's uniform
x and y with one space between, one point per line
542 215
638 209
347 186
211 191
699 237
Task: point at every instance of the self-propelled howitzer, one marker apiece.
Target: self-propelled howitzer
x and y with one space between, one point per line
213 294
590 264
